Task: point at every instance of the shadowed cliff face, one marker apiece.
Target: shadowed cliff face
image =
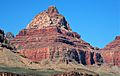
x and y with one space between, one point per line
48 36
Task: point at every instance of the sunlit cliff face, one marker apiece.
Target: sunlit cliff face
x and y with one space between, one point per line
49 17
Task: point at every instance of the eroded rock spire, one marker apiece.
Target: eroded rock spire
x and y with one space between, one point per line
52 10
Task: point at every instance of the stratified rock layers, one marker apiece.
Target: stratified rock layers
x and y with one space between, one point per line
49 36
111 52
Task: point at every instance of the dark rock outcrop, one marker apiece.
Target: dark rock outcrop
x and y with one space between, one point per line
9 36
1 36
4 41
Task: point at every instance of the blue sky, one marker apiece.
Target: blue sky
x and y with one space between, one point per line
97 21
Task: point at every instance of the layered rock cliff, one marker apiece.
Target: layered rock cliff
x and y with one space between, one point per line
111 53
49 36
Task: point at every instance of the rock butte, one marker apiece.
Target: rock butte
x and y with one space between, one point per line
49 36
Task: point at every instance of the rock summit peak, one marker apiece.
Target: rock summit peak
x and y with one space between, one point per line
49 18
52 9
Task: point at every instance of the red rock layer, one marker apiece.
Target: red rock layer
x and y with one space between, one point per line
111 53
49 36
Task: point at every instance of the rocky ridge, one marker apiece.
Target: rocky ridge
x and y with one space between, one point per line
5 40
111 53
49 36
